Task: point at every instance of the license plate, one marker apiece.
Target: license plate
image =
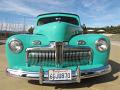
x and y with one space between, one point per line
59 74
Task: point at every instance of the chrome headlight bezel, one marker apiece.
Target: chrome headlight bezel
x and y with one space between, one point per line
102 45
15 46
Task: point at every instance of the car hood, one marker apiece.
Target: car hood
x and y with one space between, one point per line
58 31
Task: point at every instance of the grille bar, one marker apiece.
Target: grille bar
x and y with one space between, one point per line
59 53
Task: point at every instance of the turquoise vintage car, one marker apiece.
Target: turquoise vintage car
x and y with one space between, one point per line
58 51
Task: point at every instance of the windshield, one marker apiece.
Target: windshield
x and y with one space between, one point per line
46 20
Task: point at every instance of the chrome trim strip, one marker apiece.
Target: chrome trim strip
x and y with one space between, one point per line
78 77
84 74
39 48
41 75
58 53
50 47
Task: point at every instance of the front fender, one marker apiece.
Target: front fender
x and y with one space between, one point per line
19 59
90 39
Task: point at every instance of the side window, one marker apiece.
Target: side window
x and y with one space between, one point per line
40 23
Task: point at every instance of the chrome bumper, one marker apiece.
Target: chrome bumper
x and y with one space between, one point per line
76 75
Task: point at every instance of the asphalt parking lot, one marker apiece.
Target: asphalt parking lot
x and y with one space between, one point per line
107 82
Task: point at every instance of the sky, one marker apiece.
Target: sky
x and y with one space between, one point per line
94 13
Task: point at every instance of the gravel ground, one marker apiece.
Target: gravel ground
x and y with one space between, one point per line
115 37
2 42
107 82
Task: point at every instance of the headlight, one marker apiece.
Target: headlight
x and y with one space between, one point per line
102 44
16 46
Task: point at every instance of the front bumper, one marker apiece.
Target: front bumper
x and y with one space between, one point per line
76 75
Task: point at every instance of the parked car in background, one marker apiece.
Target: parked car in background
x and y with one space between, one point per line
58 51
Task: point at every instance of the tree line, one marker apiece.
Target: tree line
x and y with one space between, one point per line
108 29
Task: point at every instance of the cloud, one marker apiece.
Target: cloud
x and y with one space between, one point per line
99 12
96 6
18 7
87 3
35 7
52 2
55 5
92 12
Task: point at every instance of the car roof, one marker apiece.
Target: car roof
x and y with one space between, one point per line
58 13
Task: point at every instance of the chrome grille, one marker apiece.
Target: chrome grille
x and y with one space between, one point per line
79 56
42 57
59 55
